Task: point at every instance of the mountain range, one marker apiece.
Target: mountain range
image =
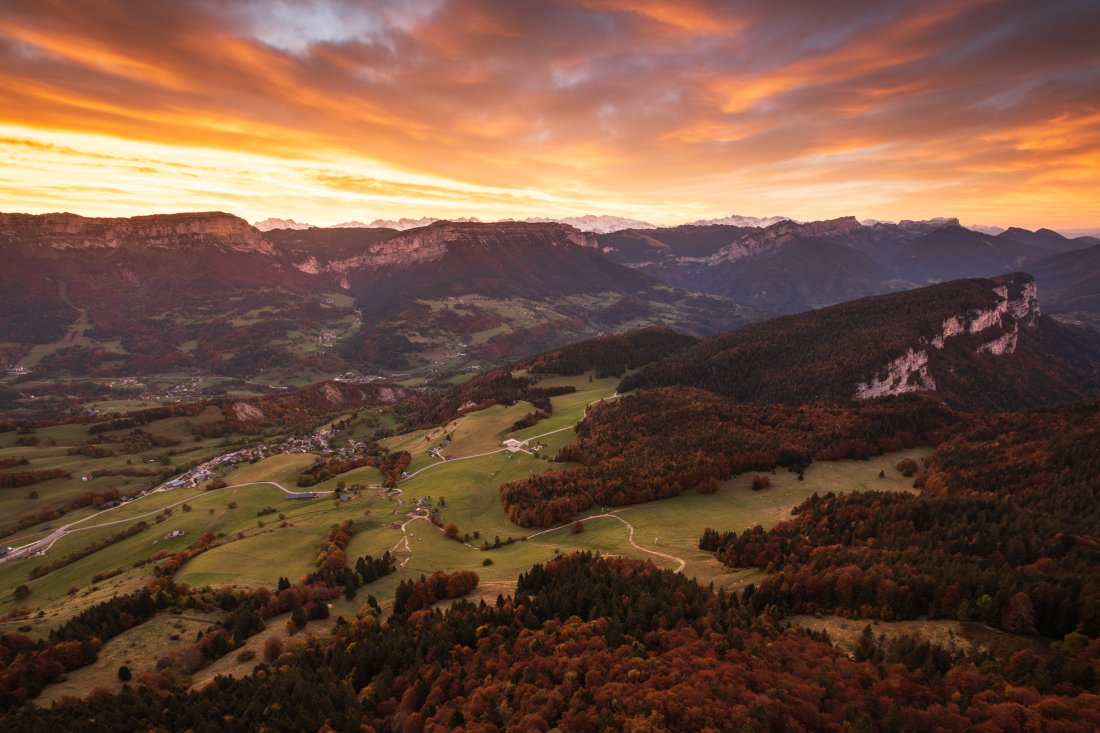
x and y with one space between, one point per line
596 224
607 224
208 294
789 267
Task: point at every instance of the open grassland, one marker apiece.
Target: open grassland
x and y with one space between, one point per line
57 449
138 648
267 535
465 493
967 636
469 492
569 408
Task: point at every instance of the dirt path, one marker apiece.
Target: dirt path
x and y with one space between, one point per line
278 486
630 537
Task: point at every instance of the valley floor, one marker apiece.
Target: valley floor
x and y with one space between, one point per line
274 535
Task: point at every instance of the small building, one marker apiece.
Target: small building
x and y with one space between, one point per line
514 445
175 533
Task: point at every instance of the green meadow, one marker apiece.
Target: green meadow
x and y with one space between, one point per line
266 535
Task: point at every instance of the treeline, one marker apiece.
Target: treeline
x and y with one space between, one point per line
414 595
138 440
1005 534
49 513
497 387
135 418
28 665
131 531
611 355
330 552
391 464
588 644
16 479
366 570
662 443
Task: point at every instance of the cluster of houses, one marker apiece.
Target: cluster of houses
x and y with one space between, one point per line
317 442
353 378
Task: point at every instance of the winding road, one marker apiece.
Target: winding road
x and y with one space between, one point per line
44 544
613 396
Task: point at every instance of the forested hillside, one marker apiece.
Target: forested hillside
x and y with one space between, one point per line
979 344
664 442
588 644
1005 532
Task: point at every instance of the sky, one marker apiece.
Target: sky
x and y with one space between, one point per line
662 110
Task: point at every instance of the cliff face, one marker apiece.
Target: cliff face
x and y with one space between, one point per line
432 242
779 235
998 328
169 231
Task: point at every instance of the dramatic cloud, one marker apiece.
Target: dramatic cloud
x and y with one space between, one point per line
660 109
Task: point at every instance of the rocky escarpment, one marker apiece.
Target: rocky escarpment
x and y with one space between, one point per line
170 231
998 328
779 235
432 242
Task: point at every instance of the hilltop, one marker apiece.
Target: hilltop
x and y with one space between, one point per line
978 344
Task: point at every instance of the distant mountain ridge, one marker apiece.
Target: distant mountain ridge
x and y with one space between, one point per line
210 294
268 224
737 220
70 231
789 266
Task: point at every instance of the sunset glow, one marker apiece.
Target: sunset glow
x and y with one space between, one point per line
664 111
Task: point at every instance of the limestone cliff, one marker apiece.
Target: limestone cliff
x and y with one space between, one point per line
432 242
72 232
1016 306
780 234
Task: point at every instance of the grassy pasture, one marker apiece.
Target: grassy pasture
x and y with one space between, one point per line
261 550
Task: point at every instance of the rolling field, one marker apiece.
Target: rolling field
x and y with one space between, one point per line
268 535
137 648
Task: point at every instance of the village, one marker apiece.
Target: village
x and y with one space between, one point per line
319 441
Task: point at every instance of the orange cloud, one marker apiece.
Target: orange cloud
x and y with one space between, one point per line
656 109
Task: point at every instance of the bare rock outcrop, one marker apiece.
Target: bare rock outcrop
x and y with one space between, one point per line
171 231
1017 306
432 242
779 235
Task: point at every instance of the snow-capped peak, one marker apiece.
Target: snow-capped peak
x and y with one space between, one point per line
742 221
986 228
268 224
403 223
594 224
